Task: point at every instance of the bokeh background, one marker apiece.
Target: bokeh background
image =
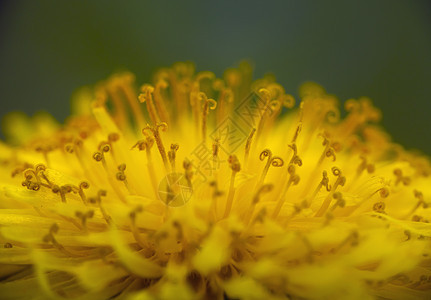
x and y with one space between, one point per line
380 49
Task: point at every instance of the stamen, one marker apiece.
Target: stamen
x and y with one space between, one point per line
266 188
50 238
111 88
293 180
83 185
379 207
339 203
323 183
383 193
298 131
21 168
267 96
40 169
360 112
121 176
44 150
188 172
208 104
248 146
327 152
224 100
135 231
159 143
160 103
62 190
98 200
400 178
365 166
295 160
146 96
172 154
274 161
236 167
83 217
215 194
352 238
216 148
125 84
421 202
341 180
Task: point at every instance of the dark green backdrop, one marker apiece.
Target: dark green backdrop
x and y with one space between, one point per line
379 49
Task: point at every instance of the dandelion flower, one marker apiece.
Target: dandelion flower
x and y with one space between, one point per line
197 187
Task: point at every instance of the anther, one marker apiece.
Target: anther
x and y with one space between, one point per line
156 133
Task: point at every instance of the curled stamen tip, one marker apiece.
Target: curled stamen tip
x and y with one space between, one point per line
147 88
84 185
265 92
336 171
277 162
97 156
265 153
162 125
69 148
105 147
120 176
121 167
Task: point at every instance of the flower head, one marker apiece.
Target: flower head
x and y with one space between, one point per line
200 187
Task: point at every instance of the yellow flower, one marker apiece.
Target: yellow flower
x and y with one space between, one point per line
206 188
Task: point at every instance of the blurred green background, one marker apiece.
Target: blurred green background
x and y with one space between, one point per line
380 49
